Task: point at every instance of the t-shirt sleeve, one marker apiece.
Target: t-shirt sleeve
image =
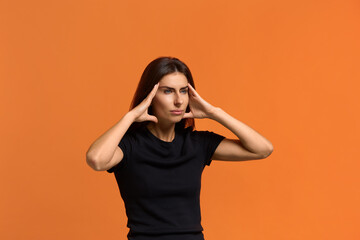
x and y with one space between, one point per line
125 146
209 143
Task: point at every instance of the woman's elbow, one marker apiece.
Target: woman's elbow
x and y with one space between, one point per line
268 153
93 163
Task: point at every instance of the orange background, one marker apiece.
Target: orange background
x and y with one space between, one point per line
288 69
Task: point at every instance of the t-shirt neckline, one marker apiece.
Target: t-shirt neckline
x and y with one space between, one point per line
159 140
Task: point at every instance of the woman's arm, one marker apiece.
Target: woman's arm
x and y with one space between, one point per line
249 145
105 153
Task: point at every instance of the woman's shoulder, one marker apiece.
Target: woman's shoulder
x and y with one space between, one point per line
206 134
195 133
135 134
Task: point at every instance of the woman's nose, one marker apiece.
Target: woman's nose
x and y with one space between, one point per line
178 99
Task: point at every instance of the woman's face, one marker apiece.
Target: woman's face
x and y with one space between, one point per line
172 94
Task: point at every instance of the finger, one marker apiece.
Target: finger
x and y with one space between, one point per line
188 115
152 94
154 89
194 93
152 118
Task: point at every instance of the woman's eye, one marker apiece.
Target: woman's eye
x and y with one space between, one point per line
169 91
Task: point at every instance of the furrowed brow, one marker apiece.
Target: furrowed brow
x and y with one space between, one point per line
173 88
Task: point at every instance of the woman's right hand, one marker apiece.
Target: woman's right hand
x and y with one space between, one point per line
141 111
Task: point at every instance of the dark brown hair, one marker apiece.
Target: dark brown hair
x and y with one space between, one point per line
152 74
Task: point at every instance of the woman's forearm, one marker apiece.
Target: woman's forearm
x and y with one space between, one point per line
252 140
103 148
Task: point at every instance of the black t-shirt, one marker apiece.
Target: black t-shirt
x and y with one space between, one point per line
160 181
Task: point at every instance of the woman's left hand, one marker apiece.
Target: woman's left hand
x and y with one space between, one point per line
199 108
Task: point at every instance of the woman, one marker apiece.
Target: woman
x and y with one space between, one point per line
158 158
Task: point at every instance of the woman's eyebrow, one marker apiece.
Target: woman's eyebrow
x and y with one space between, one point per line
173 88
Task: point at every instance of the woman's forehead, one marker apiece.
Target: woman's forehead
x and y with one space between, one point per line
174 80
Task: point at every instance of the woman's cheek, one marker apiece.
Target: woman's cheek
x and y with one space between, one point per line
162 104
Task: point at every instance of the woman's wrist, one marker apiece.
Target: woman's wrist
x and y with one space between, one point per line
130 116
212 114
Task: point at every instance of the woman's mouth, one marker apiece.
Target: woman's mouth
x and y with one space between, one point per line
177 112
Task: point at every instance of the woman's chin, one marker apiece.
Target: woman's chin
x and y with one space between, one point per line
172 119
178 118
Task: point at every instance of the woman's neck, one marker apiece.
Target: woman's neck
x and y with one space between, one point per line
165 133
